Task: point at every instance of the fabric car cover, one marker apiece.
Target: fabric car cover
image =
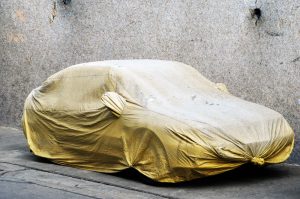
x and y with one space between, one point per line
162 118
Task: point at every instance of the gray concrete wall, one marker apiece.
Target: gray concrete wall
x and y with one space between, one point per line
260 63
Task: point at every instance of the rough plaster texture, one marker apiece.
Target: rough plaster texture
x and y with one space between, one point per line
260 63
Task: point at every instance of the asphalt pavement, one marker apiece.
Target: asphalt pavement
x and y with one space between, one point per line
22 175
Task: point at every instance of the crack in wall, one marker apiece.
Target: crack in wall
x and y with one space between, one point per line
274 34
296 59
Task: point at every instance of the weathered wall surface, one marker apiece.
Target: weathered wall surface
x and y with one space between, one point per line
260 63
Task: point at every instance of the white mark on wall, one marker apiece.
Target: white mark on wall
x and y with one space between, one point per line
53 12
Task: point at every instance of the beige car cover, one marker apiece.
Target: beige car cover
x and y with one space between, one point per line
162 118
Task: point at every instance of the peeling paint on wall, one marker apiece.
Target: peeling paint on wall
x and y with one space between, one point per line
53 12
20 14
15 37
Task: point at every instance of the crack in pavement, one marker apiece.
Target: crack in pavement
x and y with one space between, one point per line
91 180
28 182
5 172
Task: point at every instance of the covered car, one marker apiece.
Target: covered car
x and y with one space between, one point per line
162 118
